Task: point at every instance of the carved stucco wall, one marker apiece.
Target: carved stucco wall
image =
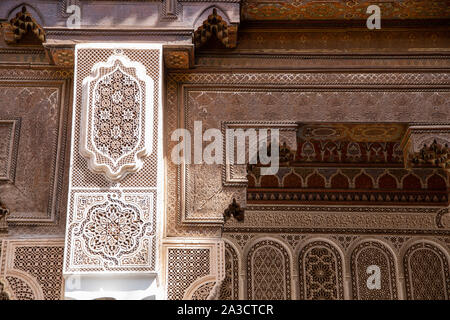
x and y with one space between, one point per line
33 268
34 112
249 99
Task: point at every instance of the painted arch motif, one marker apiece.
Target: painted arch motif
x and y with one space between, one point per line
320 272
427 275
268 272
365 255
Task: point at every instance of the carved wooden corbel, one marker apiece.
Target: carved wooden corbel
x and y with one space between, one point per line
216 27
178 56
235 210
20 25
62 56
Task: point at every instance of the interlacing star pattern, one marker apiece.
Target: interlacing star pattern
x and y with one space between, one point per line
116 115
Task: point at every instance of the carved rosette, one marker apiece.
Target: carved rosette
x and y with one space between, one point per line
117 117
113 233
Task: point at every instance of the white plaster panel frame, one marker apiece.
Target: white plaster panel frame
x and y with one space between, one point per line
141 191
143 147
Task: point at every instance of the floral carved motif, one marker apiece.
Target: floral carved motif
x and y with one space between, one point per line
113 233
112 229
117 116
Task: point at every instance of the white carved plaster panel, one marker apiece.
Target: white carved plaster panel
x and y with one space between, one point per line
117 117
115 193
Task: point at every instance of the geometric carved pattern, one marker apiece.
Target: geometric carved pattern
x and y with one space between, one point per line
117 117
112 226
111 233
111 230
427 275
43 263
41 108
9 140
203 291
320 272
184 267
340 10
21 289
193 92
373 253
229 289
268 272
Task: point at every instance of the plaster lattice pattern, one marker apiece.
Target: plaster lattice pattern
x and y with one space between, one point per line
427 275
45 264
268 272
116 120
22 290
184 267
112 229
116 128
320 272
203 291
365 255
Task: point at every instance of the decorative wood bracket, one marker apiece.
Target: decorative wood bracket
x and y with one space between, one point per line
216 27
235 210
178 56
62 56
22 24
